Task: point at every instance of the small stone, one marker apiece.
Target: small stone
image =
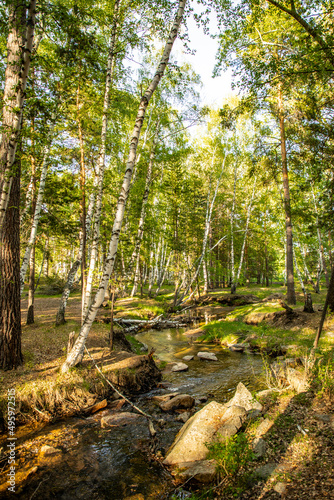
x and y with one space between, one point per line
180 367
253 414
265 471
259 447
123 418
49 450
188 358
236 347
209 356
203 471
180 401
280 488
322 417
183 417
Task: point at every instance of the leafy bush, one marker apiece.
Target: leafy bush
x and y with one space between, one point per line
232 454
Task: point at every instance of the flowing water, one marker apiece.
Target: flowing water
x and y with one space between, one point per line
87 461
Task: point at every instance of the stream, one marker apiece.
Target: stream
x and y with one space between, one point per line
77 459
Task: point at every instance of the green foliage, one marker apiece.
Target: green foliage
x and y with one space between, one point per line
232 455
324 375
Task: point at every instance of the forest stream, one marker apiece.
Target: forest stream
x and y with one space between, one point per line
77 458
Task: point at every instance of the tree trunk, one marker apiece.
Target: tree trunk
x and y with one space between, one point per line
101 161
60 318
233 283
10 310
329 302
78 348
291 296
31 293
148 182
19 48
37 212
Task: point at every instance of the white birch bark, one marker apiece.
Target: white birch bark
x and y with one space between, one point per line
164 275
321 250
249 211
77 351
101 162
140 231
37 214
233 286
206 233
60 318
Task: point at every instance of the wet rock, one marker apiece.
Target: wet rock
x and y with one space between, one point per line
180 367
210 356
49 450
188 358
259 447
280 488
180 401
264 427
201 399
265 471
236 347
164 397
120 419
202 471
183 417
244 399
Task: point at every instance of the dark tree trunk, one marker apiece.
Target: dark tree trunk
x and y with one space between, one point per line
31 295
308 306
10 310
291 296
329 303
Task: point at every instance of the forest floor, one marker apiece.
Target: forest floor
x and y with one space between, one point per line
302 437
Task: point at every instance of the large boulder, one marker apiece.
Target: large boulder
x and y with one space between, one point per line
213 422
189 444
244 398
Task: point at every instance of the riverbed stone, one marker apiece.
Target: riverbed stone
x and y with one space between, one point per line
162 398
202 471
209 356
179 367
236 347
188 358
183 417
180 401
49 450
244 398
120 419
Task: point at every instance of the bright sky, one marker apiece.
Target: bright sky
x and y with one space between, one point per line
214 89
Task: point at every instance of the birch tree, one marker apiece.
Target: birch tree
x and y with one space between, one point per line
75 355
101 160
